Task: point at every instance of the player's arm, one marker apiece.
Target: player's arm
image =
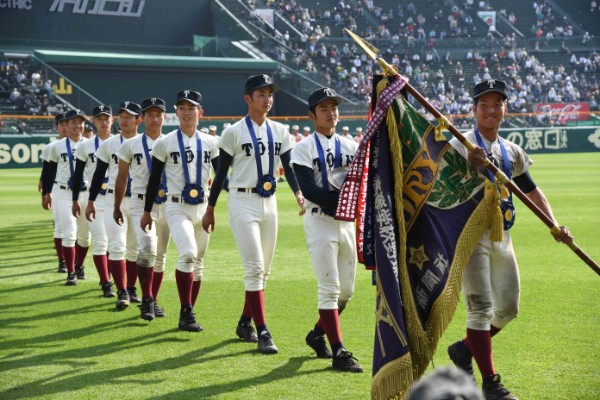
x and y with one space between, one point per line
95 186
215 164
151 192
49 175
290 176
120 187
76 186
225 160
313 192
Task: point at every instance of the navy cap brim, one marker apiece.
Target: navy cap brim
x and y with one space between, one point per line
490 91
127 110
102 113
189 101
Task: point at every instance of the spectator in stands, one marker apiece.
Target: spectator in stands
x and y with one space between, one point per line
15 96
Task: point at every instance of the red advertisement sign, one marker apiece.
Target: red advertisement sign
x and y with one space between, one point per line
566 111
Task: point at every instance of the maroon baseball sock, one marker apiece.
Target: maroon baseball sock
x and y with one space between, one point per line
146 276
195 291
156 282
184 286
117 270
256 302
101 263
69 253
80 253
131 268
480 344
59 249
331 325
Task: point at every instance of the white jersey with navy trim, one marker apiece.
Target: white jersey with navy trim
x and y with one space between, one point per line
87 153
46 150
167 150
58 153
132 152
107 152
305 153
237 142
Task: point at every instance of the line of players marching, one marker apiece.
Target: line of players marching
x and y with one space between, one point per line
157 187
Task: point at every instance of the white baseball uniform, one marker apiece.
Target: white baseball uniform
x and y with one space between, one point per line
44 156
87 153
185 220
152 243
491 278
331 243
122 243
71 229
253 218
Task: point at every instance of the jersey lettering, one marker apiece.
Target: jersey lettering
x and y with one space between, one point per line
64 156
138 157
115 158
92 157
190 155
207 157
175 156
247 147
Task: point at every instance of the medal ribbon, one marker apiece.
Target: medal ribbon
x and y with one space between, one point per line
505 163
256 152
337 161
186 173
70 155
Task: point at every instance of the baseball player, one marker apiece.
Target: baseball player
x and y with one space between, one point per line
358 135
331 243
84 168
59 169
212 130
346 132
306 132
296 136
252 147
122 243
186 155
88 129
135 160
491 284
62 126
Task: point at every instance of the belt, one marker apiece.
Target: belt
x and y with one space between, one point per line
177 199
143 196
83 189
249 190
318 210
111 191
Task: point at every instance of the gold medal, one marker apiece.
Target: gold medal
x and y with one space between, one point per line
161 193
508 215
104 186
193 193
267 186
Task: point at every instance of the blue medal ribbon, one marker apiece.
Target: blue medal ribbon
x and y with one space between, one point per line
337 162
192 192
507 207
161 196
70 158
266 183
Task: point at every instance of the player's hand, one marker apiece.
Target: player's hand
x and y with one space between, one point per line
40 186
90 211
208 220
146 221
47 201
76 209
477 157
564 237
300 201
118 216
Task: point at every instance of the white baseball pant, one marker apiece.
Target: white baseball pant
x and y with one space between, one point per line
152 243
96 227
122 243
71 229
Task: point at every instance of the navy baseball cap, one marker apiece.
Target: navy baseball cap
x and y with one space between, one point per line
153 102
88 126
491 85
74 114
256 82
323 94
99 110
130 107
60 117
189 95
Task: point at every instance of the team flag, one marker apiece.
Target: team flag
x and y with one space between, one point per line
427 209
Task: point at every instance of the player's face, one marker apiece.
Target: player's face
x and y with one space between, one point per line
127 122
63 128
87 133
76 126
154 118
325 117
189 114
103 123
489 112
260 101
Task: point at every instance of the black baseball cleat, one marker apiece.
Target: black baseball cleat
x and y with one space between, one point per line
62 267
158 311
187 320
461 357
133 295
344 361
147 309
493 389
122 299
71 279
80 272
318 344
107 289
266 344
246 332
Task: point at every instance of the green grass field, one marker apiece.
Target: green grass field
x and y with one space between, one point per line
59 342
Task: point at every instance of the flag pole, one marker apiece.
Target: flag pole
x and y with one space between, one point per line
373 52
